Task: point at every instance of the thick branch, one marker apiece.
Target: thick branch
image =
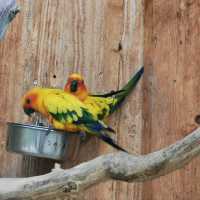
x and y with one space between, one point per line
118 166
8 10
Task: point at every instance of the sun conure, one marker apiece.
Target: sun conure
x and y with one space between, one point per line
105 104
66 112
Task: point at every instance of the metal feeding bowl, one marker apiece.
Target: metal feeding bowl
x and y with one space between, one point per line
39 141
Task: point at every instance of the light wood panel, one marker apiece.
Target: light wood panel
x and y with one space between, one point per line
103 40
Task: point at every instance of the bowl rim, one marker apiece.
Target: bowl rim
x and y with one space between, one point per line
38 155
35 127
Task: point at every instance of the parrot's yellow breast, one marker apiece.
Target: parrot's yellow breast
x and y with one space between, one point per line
65 126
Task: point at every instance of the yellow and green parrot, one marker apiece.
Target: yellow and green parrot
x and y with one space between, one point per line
66 112
101 105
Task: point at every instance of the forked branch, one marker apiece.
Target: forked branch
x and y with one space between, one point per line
8 10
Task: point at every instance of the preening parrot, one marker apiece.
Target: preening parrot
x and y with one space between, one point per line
66 112
105 104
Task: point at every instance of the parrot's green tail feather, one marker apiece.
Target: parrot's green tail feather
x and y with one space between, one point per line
125 91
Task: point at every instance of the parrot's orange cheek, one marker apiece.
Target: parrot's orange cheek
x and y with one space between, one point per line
67 86
82 87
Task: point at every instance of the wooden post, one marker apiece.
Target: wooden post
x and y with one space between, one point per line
172 92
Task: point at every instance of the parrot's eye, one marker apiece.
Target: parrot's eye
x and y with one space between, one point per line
28 101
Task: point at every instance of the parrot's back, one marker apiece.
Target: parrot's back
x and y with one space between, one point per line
106 104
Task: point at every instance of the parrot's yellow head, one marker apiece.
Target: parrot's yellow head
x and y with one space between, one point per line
30 101
75 85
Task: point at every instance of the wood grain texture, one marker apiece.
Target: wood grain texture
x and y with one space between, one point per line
102 40
171 100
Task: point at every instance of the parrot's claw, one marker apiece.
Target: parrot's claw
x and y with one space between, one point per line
49 130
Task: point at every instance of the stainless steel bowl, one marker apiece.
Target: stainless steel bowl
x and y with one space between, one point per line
37 141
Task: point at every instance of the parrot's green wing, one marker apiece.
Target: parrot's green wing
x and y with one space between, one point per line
66 108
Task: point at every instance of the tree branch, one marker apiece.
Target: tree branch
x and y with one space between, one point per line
8 10
118 166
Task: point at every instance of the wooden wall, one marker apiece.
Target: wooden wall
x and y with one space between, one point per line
107 41
171 89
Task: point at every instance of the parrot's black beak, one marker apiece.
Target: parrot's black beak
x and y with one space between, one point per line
29 111
74 86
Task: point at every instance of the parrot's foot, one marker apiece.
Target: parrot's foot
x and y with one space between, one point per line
83 136
57 167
